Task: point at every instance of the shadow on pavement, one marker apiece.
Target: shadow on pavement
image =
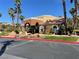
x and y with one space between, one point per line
5 44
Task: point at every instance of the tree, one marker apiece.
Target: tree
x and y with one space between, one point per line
0 14
78 21
12 15
65 17
75 16
78 4
18 9
22 20
72 12
71 1
69 22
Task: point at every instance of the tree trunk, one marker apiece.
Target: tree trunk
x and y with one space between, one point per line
65 17
22 26
75 23
18 17
17 13
13 26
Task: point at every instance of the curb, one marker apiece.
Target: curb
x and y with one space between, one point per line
38 39
8 37
43 40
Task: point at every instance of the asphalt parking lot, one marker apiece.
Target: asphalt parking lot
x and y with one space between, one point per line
39 50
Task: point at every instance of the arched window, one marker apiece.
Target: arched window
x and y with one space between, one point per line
27 24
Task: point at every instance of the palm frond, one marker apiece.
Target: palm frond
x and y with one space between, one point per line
22 17
18 2
72 11
71 1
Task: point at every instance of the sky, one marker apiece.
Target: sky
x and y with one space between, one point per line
33 8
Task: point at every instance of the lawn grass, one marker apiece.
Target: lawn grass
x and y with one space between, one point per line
50 37
67 39
3 33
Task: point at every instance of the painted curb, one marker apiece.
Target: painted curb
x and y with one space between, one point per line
38 39
7 36
44 40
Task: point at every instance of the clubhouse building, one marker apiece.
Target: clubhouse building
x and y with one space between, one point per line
47 23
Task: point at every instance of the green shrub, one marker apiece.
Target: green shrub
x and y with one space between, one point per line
17 31
3 34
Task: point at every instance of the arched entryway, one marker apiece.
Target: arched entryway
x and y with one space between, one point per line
27 26
37 27
54 29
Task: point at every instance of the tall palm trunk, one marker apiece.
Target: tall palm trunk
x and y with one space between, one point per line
75 18
65 17
75 15
21 27
18 26
17 14
13 24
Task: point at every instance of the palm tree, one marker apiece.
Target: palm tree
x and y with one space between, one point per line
12 15
71 1
0 14
22 20
78 4
65 17
72 12
75 16
18 9
69 22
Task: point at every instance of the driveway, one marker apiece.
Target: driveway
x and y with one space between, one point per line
40 50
